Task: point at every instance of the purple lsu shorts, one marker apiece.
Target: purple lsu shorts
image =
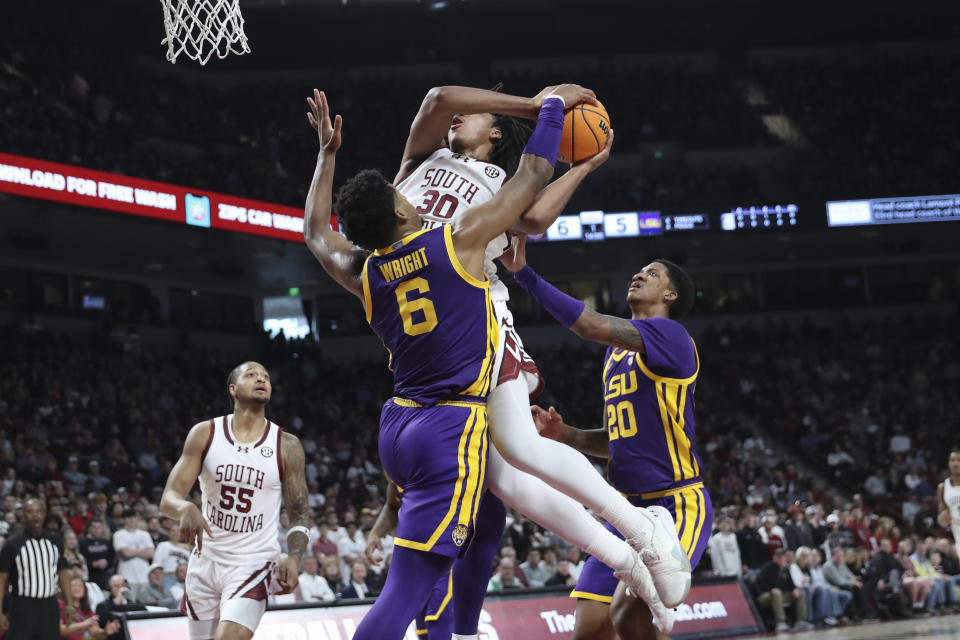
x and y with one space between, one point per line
437 457
694 524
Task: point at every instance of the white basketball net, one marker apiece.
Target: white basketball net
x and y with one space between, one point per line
201 28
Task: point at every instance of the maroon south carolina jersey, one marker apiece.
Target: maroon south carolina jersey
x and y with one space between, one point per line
436 319
649 409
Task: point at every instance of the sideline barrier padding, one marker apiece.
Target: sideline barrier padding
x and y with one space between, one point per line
715 607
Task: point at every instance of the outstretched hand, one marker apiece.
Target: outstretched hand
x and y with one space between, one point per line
515 258
319 118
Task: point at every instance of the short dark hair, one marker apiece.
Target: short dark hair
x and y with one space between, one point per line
683 285
128 513
365 206
234 374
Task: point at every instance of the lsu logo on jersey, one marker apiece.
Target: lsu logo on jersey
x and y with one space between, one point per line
198 210
459 535
621 385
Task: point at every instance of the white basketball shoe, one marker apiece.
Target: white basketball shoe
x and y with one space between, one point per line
640 585
661 552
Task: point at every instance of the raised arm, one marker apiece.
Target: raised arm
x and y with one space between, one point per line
432 121
570 312
550 424
479 225
174 503
296 497
339 258
552 200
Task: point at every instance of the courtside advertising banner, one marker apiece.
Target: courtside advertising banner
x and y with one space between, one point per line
196 207
711 610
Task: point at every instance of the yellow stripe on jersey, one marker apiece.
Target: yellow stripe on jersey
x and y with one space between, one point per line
367 299
615 356
672 396
433 617
455 261
475 462
457 491
668 432
590 596
656 378
481 386
484 448
653 495
689 507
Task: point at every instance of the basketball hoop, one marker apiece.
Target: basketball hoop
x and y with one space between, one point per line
201 28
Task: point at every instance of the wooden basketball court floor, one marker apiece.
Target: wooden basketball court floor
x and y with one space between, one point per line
940 627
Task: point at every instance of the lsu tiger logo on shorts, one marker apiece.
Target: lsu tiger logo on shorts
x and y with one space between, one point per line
459 535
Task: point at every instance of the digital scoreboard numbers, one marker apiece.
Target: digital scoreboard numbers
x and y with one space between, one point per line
565 228
621 225
763 217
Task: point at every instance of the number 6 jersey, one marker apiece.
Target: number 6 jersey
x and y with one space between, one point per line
241 483
436 319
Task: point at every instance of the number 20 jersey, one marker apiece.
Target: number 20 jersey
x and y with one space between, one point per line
649 410
241 485
445 185
436 319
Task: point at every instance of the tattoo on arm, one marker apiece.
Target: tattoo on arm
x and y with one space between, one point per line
617 332
295 493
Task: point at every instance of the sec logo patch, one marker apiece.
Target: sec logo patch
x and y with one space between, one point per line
459 535
266 452
492 172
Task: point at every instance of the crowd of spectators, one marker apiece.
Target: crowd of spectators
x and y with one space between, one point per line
94 425
248 137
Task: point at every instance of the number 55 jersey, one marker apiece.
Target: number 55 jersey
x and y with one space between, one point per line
436 319
241 484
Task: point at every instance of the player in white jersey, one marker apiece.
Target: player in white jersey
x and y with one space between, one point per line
948 498
463 144
245 465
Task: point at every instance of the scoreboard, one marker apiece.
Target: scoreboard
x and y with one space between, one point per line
596 226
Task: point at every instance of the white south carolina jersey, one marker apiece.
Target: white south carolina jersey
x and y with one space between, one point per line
241 484
444 186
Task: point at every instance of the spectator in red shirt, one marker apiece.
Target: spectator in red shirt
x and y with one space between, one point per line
79 515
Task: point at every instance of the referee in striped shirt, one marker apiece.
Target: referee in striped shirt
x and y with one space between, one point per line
32 563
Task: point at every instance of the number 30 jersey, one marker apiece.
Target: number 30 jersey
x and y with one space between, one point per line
241 485
436 319
445 185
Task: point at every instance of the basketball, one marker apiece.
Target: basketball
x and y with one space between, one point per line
585 131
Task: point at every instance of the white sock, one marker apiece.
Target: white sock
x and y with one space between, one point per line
458 636
554 511
562 467
626 518
612 551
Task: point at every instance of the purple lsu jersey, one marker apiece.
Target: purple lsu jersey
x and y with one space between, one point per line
436 319
649 408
